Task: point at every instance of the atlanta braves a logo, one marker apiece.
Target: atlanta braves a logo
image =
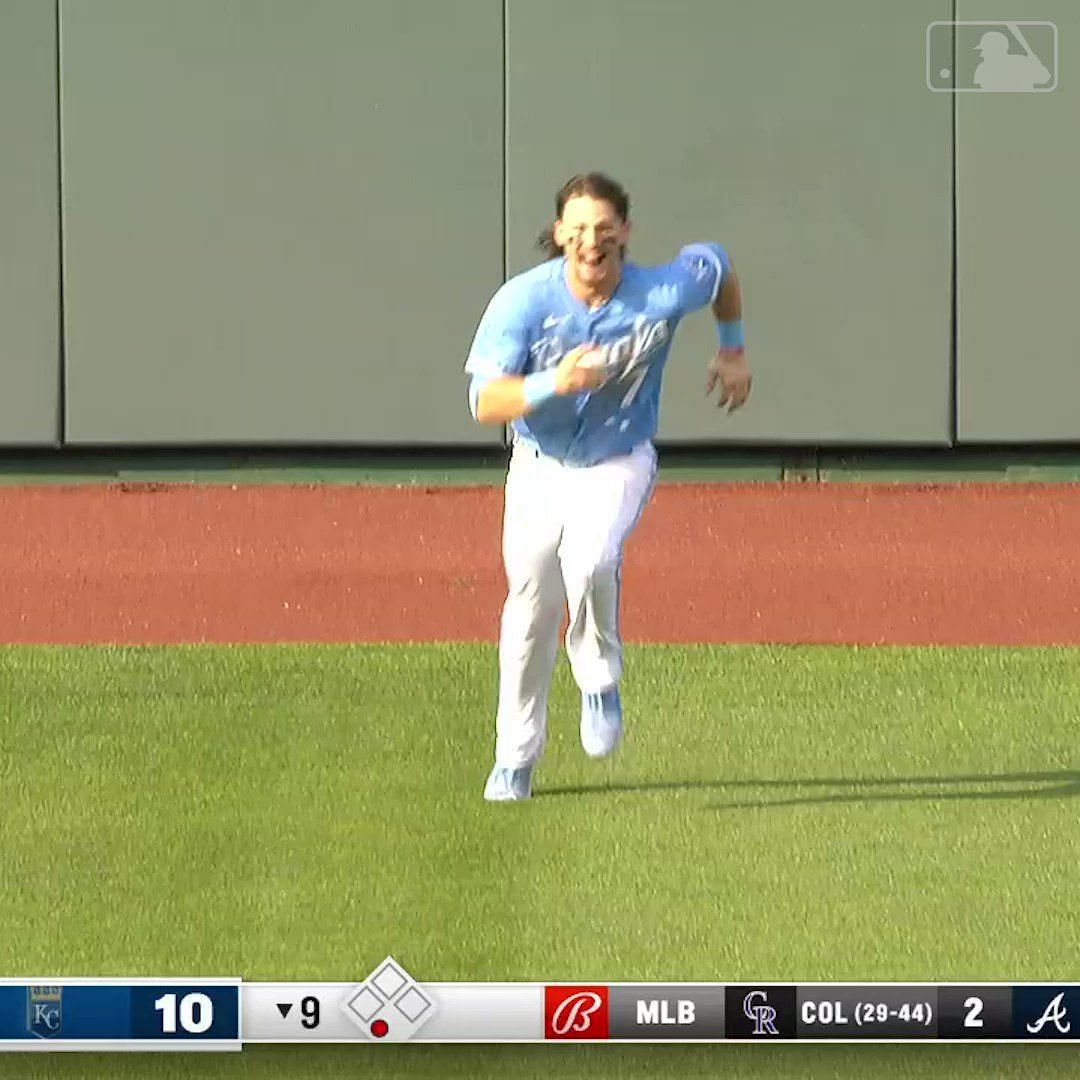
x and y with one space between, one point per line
1055 1013
575 1012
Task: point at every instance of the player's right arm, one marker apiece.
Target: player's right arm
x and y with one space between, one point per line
500 400
498 390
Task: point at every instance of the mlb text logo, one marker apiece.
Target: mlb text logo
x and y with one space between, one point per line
576 1012
992 57
43 1010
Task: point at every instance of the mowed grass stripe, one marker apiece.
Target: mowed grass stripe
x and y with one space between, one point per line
292 813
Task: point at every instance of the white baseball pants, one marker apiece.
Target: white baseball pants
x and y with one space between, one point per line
563 535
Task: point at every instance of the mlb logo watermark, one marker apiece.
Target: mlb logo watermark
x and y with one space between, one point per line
992 57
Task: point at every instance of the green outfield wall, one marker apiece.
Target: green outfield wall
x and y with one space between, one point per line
1018 229
29 226
277 222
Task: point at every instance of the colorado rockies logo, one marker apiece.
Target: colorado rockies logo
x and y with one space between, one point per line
756 1008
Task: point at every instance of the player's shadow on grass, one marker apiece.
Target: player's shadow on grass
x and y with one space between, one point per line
1061 784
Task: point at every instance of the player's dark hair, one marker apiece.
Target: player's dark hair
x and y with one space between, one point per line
595 184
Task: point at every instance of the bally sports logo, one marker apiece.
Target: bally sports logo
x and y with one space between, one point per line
575 1012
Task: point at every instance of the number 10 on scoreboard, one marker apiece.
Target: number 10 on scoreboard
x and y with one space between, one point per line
195 1013
182 1013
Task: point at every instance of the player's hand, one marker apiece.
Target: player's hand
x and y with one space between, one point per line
573 377
729 370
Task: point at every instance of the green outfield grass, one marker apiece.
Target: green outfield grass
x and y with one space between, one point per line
786 814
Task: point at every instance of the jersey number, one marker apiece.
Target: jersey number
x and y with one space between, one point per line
636 379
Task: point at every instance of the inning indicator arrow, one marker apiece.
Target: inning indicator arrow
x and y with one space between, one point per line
284 1007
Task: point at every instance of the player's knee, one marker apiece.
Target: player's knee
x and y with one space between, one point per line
539 590
590 569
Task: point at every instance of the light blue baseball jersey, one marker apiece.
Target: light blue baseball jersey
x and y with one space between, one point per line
534 320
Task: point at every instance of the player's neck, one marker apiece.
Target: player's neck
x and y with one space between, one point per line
593 295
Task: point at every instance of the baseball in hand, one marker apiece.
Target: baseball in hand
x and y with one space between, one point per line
592 359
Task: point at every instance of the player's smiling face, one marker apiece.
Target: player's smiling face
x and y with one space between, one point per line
592 236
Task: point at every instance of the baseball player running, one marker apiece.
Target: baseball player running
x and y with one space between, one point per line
571 355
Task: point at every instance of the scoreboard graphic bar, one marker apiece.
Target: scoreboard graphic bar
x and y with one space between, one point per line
391 1006
676 1012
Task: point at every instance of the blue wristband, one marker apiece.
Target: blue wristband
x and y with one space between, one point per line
539 386
730 334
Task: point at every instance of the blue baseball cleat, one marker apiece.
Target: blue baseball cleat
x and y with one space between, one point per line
601 722
509 785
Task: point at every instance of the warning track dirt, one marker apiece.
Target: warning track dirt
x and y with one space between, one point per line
829 563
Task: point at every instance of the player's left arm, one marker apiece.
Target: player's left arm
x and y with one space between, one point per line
728 369
706 276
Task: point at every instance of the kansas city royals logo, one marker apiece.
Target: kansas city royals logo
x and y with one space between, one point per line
43 1011
1055 1013
756 1008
